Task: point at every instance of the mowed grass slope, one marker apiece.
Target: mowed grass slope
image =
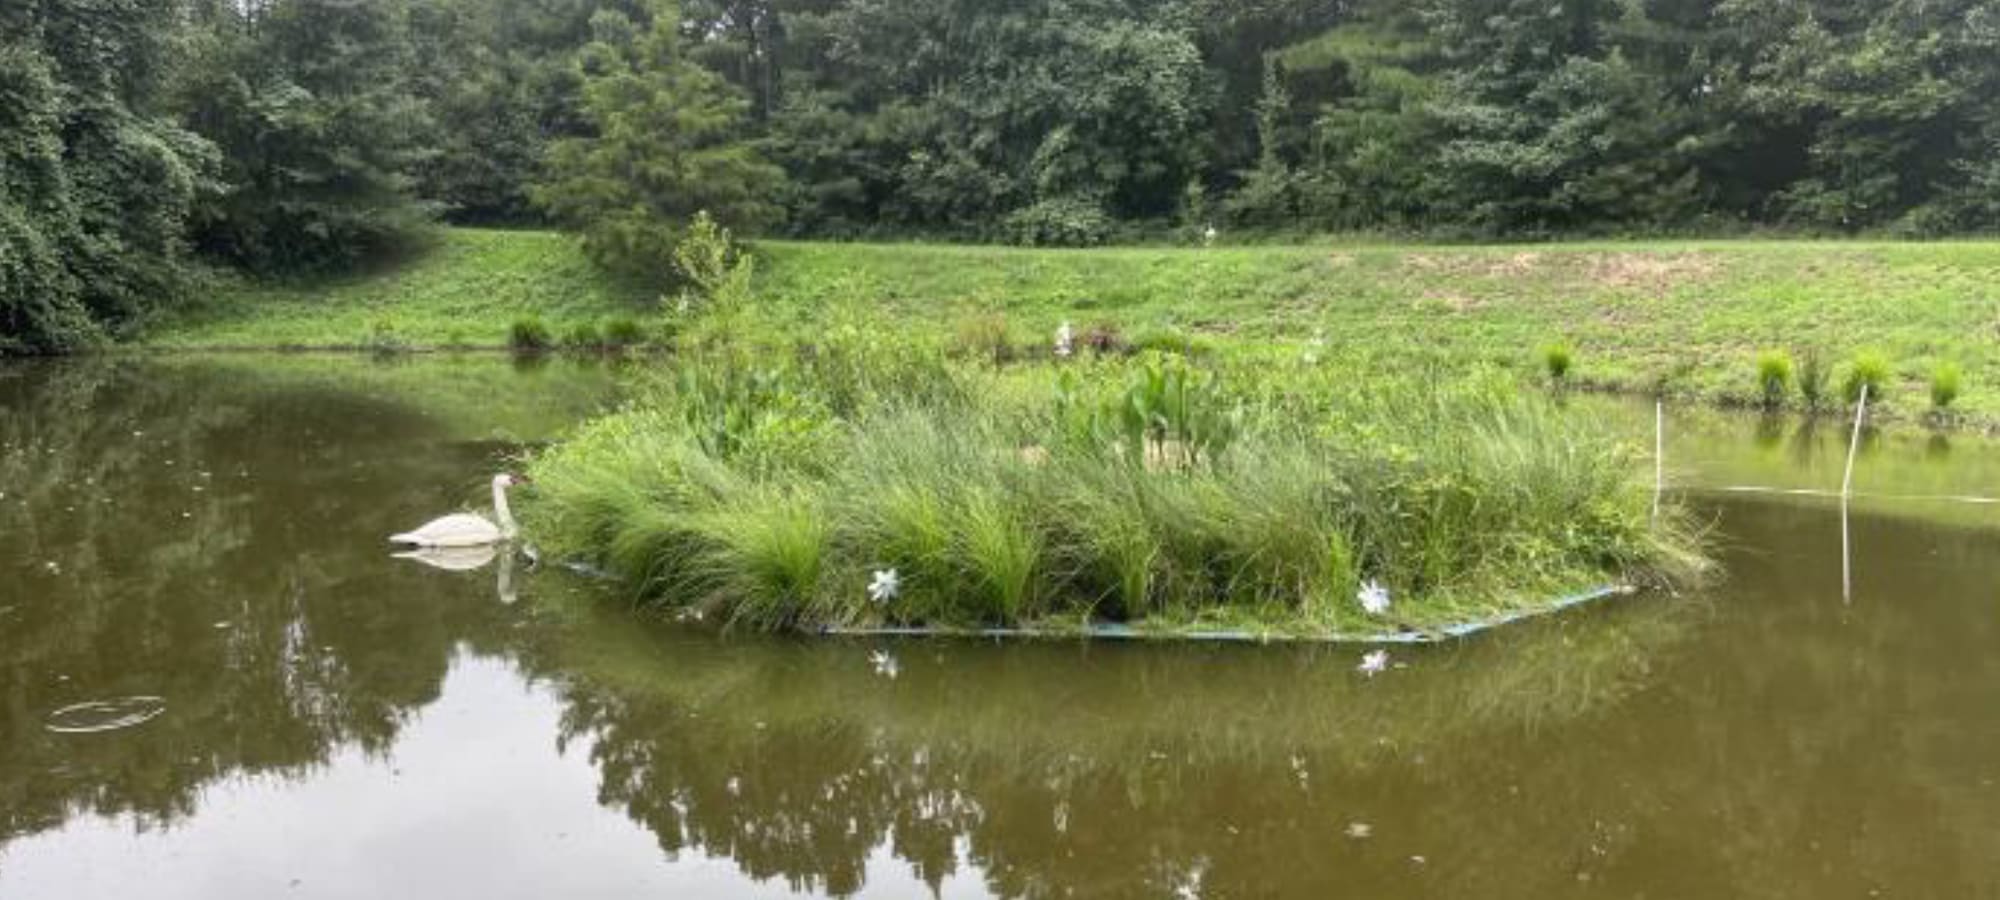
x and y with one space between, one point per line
1691 315
1688 314
465 291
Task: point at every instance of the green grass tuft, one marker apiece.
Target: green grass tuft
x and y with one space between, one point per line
1774 377
769 491
529 335
1947 380
1869 369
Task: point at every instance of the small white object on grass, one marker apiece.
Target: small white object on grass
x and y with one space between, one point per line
1065 341
1374 598
886 586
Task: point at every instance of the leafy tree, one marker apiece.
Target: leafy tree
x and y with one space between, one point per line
321 133
95 183
668 143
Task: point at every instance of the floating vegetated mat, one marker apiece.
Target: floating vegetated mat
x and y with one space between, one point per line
98 716
877 484
1121 632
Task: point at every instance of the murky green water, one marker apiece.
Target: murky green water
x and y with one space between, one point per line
331 722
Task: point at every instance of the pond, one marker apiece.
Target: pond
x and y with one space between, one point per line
215 682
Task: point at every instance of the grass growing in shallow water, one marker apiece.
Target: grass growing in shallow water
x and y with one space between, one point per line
1148 491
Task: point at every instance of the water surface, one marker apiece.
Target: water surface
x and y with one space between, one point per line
337 723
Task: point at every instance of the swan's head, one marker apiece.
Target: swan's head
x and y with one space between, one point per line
508 479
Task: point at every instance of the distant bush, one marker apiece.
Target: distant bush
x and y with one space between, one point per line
1868 369
1813 378
1946 381
1774 377
1558 360
584 336
528 335
985 336
1060 222
1172 340
624 331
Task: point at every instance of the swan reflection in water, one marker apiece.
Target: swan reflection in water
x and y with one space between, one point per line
470 559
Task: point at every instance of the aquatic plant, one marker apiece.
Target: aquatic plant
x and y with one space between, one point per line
529 335
1946 381
779 493
624 331
1813 379
1558 360
584 336
1868 369
1774 377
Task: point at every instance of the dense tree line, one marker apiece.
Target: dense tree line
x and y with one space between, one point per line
286 135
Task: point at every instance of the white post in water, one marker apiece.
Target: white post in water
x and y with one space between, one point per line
1659 455
1846 491
1854 445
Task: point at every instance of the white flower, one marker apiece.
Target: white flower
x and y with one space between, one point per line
885 665
1373 663
1374 598
886 586
1065 341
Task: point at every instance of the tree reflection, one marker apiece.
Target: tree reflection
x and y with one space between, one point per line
189 532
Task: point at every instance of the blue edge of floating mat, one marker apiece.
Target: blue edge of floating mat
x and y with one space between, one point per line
1116 632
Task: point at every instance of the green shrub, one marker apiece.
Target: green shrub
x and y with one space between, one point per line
528 335
985 336
1166 339
1774 377
624 331
583 336
1059 222
1813 379
1946 381
1558 360
1868 369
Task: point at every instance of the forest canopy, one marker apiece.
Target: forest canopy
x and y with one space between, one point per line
141 140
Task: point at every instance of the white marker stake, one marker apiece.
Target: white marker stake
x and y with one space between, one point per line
1659 455
1846 492
1854 445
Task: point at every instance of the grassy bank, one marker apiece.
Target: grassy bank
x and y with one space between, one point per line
779 491
466 291
1692 317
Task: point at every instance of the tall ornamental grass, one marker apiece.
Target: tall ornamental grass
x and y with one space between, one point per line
771 494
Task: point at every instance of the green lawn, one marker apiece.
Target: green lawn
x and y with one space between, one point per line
1691 314
464 292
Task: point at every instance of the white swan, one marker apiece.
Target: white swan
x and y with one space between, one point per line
465 529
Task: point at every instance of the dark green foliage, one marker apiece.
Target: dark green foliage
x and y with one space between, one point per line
667 144
1813 378
95 182
321 133
624 332
529 335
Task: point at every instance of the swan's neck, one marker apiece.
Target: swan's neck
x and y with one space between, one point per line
502 512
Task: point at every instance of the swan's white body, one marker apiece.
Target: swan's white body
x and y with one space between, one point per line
464 530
